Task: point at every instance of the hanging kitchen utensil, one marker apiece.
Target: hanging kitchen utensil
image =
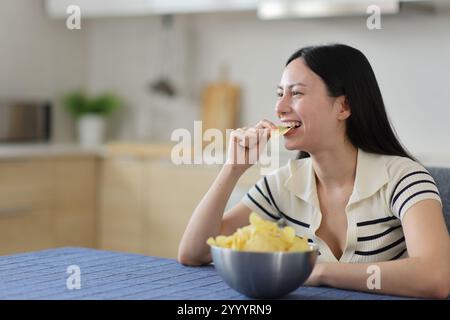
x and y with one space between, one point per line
163 84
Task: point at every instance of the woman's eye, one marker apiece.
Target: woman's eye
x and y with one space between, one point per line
295 93
279 94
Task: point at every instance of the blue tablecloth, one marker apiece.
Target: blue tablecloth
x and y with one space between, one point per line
115 275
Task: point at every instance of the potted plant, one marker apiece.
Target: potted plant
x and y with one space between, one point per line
91 114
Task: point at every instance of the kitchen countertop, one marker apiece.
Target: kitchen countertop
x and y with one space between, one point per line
149 151
106 275
114 149
13 151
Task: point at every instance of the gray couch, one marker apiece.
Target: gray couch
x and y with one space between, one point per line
442 178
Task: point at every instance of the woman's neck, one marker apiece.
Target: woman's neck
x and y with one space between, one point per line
336 167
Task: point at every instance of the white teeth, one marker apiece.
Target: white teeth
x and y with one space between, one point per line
290 124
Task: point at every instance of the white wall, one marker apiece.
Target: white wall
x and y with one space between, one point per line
127 55
40 58
409 56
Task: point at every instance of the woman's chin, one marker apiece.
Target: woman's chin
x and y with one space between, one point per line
292 146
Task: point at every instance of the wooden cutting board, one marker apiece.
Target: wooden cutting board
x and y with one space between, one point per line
220 106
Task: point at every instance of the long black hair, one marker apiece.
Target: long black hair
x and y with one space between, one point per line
347 72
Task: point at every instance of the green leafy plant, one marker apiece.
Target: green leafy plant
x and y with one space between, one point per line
78 103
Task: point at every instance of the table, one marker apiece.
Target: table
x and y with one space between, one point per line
107 275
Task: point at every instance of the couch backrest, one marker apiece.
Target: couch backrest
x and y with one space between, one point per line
442 178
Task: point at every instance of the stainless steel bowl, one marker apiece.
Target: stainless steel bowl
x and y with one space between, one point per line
264 275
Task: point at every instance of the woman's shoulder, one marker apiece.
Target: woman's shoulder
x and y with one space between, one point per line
409 183
397 167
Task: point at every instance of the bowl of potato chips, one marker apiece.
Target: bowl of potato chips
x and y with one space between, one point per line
263 260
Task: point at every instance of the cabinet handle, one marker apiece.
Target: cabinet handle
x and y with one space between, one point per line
18 211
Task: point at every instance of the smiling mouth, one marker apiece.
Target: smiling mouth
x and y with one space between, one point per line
292 124
288 126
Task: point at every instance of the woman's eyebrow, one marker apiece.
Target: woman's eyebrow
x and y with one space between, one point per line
293 85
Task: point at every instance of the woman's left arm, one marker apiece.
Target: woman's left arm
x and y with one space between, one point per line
425 273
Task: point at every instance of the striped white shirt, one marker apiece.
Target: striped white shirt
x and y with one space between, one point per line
385 188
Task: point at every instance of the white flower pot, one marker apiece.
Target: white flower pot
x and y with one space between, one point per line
91 130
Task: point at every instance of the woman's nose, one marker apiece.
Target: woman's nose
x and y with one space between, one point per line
282 106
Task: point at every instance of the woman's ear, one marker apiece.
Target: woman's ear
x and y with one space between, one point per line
342 108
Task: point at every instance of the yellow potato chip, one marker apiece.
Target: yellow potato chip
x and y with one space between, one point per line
283 130
262 236
288 234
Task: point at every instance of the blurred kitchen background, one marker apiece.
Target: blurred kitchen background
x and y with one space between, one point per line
166 64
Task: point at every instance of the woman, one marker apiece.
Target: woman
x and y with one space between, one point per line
355 192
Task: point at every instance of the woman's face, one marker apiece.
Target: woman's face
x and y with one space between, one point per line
302 97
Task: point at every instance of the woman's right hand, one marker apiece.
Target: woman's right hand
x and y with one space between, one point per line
247 144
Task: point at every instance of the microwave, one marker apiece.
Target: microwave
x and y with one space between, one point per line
25 121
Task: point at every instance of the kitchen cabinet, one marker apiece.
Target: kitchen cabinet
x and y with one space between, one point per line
76 192
145 203
121 204
171 195
47 202
26 208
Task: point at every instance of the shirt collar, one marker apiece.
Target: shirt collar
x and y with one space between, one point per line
302 179
371 176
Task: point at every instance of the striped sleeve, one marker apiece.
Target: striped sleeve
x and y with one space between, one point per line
261 199
412 183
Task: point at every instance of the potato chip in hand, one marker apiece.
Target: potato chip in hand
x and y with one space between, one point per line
282 130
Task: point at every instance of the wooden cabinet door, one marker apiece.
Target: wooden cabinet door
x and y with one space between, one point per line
145 205
26 206
76 201
171 195
121 205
